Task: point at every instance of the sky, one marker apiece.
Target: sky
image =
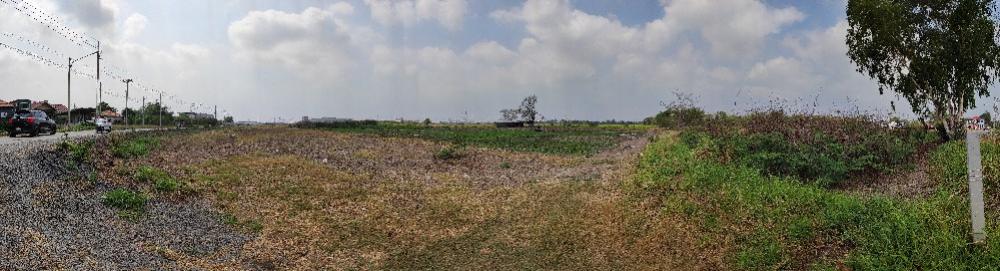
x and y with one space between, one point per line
447 60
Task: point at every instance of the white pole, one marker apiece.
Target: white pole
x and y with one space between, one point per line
976 186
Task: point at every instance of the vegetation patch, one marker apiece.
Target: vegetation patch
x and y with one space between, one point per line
125 199
561 140
78 152
161 180
825 150
135 147
780 222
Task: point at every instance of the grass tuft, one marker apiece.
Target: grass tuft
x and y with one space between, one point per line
133 148
160 179
125 199
78 152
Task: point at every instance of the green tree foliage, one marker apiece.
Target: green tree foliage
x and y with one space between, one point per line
680 113
526 112
938 54
103 106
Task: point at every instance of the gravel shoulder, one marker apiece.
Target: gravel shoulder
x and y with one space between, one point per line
55 220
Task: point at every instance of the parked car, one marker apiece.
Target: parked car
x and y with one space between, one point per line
103 125
32 122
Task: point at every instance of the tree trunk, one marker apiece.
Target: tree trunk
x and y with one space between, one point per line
954 126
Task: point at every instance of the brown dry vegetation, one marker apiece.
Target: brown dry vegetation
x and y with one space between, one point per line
327 200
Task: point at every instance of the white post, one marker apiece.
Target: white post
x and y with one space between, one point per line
976 186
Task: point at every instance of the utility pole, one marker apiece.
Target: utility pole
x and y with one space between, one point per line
100 87
69 97
125 112
69 82
215 111
142 110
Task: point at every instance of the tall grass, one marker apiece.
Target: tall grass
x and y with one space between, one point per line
814 148
774 222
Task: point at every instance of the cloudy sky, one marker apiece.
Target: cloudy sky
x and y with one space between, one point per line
446 59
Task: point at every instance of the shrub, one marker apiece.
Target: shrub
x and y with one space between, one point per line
678 118
820 149
125 199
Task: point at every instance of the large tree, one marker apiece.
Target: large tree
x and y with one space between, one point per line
938 54
526 112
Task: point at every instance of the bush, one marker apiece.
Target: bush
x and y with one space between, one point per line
125 199
820 149
678 118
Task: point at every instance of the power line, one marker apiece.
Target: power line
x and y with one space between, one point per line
51 22
29 9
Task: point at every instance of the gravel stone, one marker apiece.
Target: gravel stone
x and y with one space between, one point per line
51 219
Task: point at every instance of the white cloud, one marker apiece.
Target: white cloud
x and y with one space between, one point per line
134 26
311 43
449 13
580 65
490 52
733 28
96 15
342 8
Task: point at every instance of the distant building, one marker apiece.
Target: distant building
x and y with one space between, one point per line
111 115
6 110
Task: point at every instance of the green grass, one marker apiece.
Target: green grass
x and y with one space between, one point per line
160 179
132 148
78 152
770 218
125 200
85 126
583 140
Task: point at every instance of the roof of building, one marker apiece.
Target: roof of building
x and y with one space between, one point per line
110 114
60 108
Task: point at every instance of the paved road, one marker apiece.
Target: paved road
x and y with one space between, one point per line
5 140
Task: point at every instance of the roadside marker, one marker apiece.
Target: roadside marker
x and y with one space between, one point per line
976 186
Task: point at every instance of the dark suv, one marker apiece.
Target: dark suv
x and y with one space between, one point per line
32 122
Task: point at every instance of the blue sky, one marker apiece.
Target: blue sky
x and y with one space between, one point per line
457 59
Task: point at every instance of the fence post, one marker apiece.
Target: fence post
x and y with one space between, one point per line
976 186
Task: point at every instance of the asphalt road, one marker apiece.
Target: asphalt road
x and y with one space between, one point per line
58 137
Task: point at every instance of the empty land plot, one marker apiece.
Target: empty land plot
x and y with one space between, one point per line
317 199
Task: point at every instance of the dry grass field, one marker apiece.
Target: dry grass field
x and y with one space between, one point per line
317 199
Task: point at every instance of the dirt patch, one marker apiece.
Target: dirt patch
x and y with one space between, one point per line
915 183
